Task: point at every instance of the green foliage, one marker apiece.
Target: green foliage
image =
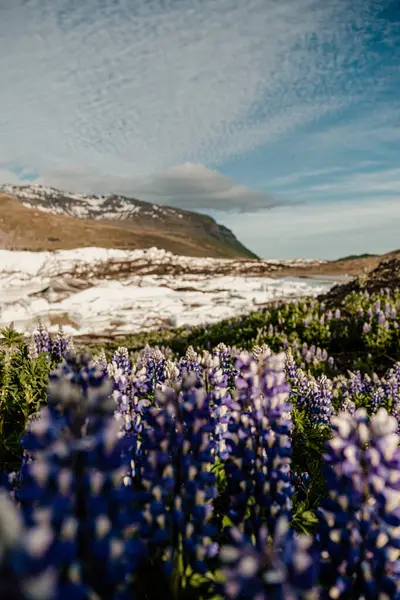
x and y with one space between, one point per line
283 323
23 383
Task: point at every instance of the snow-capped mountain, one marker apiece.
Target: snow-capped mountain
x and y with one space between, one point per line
84 206
70 220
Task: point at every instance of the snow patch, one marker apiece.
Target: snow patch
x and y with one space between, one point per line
59 285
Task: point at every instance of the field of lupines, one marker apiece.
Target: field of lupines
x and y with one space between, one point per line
255 459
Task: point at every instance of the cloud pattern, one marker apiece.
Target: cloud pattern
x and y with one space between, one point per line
194 102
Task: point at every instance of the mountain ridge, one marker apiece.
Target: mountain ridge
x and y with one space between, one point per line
79 220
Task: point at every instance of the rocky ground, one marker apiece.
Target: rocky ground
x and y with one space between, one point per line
385 274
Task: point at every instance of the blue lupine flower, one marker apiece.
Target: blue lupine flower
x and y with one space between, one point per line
366 327
290 364
173 486
377 399
155 366
190 363
42 339
101 360
348 406
74 484
359 521
381 318
60 345
122 361
314 396
282 569
26 571
259 444
356 384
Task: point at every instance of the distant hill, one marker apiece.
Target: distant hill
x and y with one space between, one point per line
35 217
376 276
356 256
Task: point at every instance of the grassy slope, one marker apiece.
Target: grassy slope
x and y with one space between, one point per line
23 228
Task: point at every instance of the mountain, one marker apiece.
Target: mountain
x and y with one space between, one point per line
36 217
380 274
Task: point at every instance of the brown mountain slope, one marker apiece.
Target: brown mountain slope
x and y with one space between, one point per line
24 228
385 274
342 267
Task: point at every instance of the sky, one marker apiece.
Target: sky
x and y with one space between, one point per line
279 118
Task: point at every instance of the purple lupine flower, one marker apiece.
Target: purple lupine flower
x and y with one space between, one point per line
356 383
291 367
247 382
359 521
318 400
259 444
155 367
366 327
381 318
377 399
396 412
122 361
271 413
283 569
308 357
300 388
224 355
42 339
26 570
190 363
367 384
239 465
60 345
101 360
74 484
174 486
348 406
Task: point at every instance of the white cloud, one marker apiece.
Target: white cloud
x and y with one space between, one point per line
7 176
330 230
187 186
295 178
357 184
195 186
126 89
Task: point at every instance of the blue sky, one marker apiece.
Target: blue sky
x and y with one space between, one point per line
279 118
